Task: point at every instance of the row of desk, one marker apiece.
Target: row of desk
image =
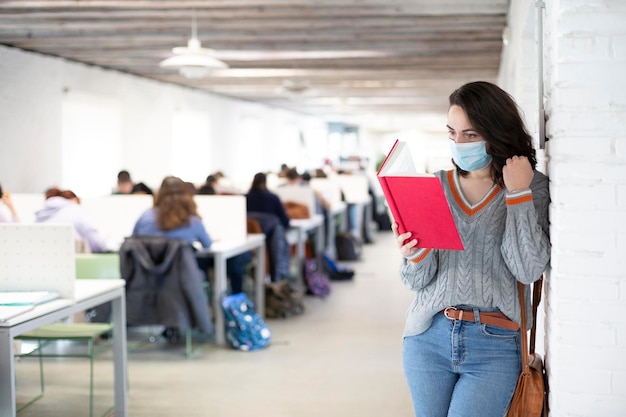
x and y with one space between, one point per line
91 293
87 294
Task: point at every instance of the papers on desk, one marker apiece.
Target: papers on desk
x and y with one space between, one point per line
9 312
26 298
14 303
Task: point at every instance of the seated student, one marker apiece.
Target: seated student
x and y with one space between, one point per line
174 215
141 188
260 199
208 188
283 170
304 180
266 207
63 207
124 183
5 199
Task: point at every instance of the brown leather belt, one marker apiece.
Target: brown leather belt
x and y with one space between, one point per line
497 318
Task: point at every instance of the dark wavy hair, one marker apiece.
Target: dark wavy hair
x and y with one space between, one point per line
493 113
175 204
259 182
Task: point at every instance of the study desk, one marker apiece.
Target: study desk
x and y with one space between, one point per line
337 209
297 234
88 294
221 251
360 214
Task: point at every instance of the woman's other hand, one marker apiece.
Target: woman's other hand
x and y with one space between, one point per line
517 173
407 247
8 201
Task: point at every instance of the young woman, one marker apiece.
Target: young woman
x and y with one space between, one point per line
174 215
461 350
63 207
260 199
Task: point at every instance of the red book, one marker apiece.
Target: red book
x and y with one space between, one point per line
417 201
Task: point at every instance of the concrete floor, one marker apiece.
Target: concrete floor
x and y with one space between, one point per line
341 358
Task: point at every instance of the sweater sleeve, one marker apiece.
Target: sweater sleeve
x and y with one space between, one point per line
87 231
200 231
418 271
526 245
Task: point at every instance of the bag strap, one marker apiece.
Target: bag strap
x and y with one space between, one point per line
537 286
522 303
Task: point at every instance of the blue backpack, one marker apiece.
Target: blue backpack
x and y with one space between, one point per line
245 329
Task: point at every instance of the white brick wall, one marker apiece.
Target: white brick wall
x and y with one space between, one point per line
584 73
585 63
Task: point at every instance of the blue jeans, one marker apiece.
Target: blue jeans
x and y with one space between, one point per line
462 369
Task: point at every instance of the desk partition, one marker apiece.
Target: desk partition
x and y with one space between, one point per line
299 194
37 257
224 216
115 215
42 257
27 205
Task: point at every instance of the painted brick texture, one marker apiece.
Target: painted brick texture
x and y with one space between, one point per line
585 63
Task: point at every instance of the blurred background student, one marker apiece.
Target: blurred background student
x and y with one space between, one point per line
124 183
63 207
8 214
141 188
174 215
208 188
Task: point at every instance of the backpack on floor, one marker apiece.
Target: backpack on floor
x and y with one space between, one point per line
348 247
245 329
316 279
336 272
383 221
282 301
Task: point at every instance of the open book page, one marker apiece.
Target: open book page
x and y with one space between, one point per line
399 162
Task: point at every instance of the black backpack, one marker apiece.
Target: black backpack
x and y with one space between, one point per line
348 247
336 272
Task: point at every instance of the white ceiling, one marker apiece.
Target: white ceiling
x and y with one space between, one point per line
375 63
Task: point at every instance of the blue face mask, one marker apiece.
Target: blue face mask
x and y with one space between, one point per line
470 156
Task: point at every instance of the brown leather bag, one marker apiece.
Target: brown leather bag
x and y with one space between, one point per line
296 210
530 397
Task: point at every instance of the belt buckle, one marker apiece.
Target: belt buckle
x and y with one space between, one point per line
447 309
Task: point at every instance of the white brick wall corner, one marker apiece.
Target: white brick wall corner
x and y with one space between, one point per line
585 63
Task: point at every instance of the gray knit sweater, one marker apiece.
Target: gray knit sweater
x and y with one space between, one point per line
505 236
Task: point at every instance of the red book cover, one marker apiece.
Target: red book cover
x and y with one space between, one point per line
417 201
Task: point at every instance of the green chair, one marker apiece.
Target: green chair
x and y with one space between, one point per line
88 266
98 266
84 332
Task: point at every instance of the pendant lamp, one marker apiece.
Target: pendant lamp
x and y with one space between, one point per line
193 61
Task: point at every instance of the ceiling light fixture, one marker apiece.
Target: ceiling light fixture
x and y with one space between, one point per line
294 87
193 61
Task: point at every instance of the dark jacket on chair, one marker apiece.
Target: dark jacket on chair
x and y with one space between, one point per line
163 284
276 244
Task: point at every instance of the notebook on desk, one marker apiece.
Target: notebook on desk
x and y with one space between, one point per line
26 298
9 312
